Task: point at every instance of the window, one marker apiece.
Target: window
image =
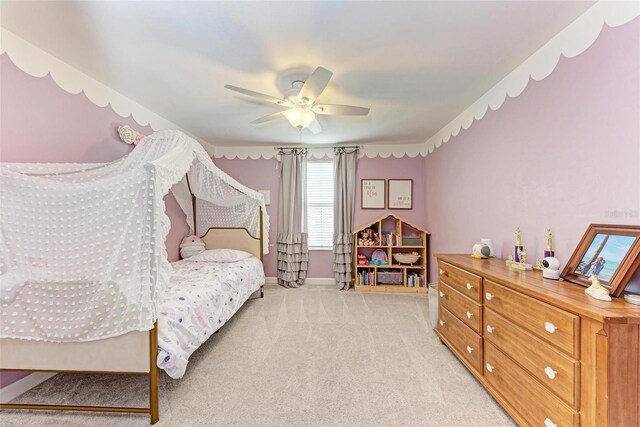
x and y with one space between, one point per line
320 205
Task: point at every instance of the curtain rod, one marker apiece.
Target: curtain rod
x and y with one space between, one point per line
317 147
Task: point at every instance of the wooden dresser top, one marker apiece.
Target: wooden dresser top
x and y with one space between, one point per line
560 293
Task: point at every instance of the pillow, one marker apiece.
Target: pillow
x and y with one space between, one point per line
191 245
220 255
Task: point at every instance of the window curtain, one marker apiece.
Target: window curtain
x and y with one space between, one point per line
293 249
344 174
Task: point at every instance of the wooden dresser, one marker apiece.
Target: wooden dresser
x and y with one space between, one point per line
551 355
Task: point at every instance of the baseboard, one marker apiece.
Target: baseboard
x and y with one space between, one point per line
10 392
308 281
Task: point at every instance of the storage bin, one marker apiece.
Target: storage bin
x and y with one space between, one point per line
411 241
389 278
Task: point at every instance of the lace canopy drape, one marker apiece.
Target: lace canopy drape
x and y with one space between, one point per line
82 246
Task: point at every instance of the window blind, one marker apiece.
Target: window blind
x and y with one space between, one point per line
320 204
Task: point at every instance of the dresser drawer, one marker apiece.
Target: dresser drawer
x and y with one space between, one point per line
462 307
553 325
462 281
466 342
552 368
534 403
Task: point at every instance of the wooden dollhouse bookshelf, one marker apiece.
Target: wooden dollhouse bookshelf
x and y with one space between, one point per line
414 276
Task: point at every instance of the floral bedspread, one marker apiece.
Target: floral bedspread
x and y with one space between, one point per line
201 298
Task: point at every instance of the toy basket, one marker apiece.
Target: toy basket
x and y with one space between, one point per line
390 277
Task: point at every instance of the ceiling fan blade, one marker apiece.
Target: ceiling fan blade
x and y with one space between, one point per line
340 110
315 84
267 118
259 95
314 126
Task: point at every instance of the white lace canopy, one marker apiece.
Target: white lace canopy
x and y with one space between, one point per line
82 246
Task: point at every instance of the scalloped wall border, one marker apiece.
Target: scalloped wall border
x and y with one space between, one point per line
571 41
574 39
268 152
38 63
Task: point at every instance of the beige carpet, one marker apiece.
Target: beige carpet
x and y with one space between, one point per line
310 356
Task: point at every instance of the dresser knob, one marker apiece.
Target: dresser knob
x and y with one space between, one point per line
442 322
469 349
490 329
441 272
469 314
550 327
489 367
442 294
488 296
550 372
469 286
549 423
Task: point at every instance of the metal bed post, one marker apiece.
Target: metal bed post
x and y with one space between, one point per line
154 406
261 247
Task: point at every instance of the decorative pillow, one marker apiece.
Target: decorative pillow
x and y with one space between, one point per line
220 255
191 245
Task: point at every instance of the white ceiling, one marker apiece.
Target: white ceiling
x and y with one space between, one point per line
417 65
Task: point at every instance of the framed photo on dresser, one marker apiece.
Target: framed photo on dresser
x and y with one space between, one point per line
372 193
611 252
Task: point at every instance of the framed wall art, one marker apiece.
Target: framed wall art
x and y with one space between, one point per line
612 252
400 194
372 193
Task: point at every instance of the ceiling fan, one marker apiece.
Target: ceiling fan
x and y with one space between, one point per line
300 102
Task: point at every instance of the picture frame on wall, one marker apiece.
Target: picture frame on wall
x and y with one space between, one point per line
372 193
400 193
612 252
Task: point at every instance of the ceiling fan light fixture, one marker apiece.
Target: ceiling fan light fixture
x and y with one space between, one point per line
300 117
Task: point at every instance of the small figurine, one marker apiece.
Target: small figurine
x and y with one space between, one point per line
548 252
518 246
538 265
522 255
521 263
596 290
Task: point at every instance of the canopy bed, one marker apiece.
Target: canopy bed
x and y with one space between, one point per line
85 284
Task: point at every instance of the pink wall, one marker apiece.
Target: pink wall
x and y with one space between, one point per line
262 174
40 122
563 154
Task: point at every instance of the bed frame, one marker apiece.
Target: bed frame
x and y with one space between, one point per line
133 353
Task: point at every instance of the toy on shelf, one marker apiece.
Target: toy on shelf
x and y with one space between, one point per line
362 260
379 257
406 258
368 237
